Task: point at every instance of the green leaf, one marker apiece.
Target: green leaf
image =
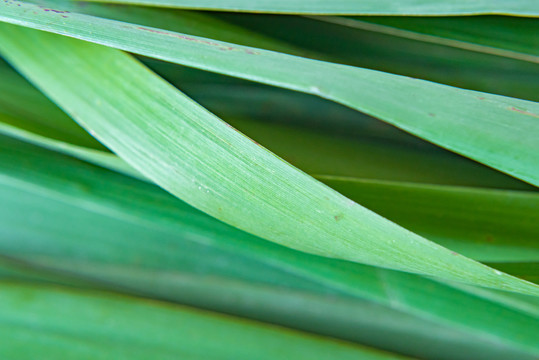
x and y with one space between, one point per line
351 7
525 270
65 323
374 50
497 131
57 208
503 36
397 55
194 155
486 225
191 22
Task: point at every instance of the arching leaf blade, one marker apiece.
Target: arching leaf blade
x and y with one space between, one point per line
351 7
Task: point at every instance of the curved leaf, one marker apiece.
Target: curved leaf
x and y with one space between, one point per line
393 54
486 225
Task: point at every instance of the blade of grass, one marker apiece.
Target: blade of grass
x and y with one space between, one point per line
497 131
359 48
191 22
158 246
352 7
466 220
396 55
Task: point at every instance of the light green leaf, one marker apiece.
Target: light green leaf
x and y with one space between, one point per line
351 7
374 50
497 131
190 22
194 155
352 144
397 55
486 225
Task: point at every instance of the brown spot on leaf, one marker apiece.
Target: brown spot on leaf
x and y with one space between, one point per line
512 108
338 217
432 114
56 11
197 40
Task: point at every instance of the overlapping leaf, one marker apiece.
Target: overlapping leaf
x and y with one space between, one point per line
72 223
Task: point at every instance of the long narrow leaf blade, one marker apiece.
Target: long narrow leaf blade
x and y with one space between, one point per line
65 323
484 224
362 48
487 225
352 7
387 52
498 131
